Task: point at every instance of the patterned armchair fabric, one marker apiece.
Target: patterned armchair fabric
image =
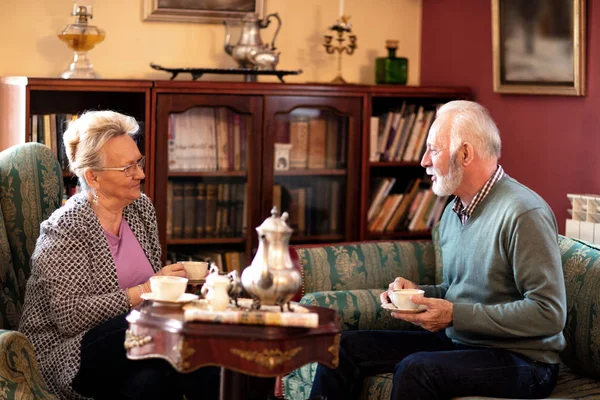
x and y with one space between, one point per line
30 190
350 277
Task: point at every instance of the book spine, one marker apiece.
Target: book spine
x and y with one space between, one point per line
189 206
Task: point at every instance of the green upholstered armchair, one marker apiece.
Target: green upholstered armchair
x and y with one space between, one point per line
350 277
30 190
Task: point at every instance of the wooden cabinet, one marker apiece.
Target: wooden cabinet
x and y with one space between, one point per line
396 199
317 182
319 186
220 155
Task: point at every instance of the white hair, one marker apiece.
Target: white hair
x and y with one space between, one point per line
471 122
86 136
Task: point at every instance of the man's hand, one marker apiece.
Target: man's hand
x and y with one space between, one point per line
438 315
399 283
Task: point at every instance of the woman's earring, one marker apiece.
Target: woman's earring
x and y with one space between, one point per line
95 198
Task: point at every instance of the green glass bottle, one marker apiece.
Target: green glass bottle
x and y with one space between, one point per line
391 69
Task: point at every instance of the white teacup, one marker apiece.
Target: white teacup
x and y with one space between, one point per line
168 287
196 270
401 298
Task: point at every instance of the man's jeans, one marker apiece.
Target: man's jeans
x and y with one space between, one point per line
430 366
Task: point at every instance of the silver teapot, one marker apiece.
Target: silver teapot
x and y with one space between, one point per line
250 52
271 278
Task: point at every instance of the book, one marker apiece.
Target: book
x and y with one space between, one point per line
189 207
267 315
373 136
210 228
317 143
331 154
178 209
200 209
299 142
223 143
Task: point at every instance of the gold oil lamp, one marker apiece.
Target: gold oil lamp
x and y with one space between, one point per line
81 38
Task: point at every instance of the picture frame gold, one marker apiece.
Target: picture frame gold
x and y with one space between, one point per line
539 47
200 11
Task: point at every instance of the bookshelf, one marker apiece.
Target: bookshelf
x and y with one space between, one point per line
396 199
327 186
25 102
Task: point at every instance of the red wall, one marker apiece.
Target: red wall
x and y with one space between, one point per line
550 143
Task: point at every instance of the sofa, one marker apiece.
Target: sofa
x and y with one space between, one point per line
30 190
350 277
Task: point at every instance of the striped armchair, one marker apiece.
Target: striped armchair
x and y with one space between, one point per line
30 190
350 277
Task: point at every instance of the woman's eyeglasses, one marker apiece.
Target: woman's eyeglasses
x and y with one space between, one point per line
128 169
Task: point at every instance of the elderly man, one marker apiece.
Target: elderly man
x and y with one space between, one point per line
493 327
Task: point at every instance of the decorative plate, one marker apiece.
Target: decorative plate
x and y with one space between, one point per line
391 307
183 299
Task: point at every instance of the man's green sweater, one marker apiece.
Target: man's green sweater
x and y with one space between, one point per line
502 271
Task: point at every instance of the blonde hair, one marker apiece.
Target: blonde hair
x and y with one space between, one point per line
85 137
471 122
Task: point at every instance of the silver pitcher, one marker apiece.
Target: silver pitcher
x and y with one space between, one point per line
271 278
250 43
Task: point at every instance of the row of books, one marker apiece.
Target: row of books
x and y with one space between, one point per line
48 129
226 261
417 208
314 209
205 210
208 139
317 142
400 135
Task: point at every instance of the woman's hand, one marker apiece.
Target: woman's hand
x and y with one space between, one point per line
399 283
176 269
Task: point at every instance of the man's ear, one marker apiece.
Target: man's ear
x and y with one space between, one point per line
91 178
467 153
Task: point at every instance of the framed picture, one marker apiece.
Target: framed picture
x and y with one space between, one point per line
205 11
539 46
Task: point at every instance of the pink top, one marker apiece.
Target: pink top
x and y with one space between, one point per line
133 267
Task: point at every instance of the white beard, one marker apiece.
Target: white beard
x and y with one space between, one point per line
445 185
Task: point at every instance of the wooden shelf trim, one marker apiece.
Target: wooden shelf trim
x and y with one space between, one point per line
312 172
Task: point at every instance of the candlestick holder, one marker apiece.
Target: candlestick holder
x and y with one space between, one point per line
346 43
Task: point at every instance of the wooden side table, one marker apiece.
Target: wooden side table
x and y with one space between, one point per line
262 351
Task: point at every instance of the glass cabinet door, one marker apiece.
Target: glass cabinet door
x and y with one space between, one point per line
309 172
207 180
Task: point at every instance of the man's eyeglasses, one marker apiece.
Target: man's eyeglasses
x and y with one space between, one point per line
128 169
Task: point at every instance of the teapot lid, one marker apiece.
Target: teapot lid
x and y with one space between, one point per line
275 223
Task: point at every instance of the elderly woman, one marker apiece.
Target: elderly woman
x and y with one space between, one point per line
91 264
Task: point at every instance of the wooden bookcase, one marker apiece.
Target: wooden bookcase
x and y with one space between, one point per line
23 97
381 100
326 189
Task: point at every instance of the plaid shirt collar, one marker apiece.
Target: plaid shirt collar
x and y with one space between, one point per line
465 212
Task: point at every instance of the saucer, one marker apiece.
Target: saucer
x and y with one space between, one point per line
183 299
391 307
